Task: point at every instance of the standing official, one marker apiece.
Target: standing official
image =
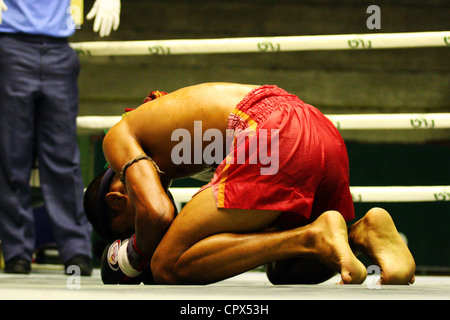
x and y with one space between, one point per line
38 110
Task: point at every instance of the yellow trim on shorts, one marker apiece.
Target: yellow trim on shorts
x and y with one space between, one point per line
252 123
224 174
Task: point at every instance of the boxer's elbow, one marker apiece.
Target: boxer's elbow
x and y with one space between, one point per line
158 217
151 226
166 214
165 218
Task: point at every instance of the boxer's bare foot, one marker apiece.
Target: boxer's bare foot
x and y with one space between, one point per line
376 236
333 249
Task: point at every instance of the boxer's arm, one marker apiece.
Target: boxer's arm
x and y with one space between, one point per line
154 210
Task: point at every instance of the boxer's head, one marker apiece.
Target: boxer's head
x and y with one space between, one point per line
108 207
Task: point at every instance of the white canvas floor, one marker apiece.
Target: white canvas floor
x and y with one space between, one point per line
52 284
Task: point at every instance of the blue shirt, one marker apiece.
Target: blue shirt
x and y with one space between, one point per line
39 17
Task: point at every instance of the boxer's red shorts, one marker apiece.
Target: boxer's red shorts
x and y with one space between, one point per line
308 173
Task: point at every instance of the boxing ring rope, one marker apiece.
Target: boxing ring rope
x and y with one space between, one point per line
265 44
360 194
297 43
391 121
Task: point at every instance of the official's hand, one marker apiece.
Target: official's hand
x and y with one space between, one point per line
3 7
107 16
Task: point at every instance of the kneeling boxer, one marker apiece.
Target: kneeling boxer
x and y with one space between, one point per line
279 193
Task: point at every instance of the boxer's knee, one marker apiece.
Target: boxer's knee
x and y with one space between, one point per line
377 211
164 270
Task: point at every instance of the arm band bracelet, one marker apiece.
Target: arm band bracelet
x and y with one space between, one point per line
132 161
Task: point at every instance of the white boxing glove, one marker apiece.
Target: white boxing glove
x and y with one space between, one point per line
130 259
107 16
3 7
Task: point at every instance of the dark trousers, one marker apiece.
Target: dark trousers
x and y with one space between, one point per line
38 110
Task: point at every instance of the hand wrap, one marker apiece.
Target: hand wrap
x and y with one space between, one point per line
131 260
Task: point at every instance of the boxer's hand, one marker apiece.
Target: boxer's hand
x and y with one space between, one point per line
109 266
3 7
131 260
110 270
107 16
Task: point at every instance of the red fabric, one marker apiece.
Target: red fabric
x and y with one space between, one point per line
154 94
151 96
312 175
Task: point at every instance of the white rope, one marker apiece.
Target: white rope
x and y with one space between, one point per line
93 123
391 121
265 44
401 194
342 122
361 194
